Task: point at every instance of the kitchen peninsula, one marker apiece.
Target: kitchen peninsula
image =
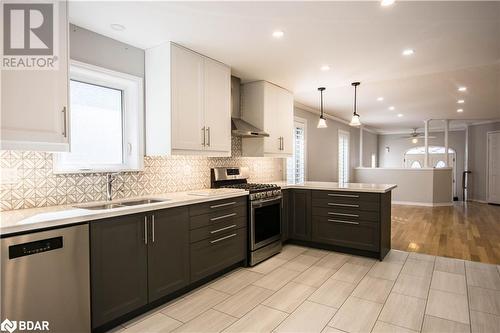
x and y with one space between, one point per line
347 217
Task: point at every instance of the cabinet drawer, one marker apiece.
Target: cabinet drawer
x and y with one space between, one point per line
213 255
218 216
213 231
346 214
344 196
358 235
359 203
216 206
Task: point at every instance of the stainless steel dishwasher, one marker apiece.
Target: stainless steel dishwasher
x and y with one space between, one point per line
45 277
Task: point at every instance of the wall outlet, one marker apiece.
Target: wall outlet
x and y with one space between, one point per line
9 176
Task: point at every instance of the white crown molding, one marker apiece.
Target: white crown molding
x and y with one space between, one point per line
337 119
453 127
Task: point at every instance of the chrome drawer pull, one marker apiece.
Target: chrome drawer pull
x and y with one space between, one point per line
343 195
222 229
342 221
146 230
343 214
222 217
223 205
342 205
222 238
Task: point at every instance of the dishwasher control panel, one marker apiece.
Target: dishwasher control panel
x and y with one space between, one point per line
26 249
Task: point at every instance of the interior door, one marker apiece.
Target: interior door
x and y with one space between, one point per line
494 167
187 100
217 106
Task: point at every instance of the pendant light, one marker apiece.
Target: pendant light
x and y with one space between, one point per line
322 120
355 116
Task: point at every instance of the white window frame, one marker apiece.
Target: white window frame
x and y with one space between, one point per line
348 172
132 117
302 122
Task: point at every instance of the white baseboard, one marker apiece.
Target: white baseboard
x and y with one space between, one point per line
425 204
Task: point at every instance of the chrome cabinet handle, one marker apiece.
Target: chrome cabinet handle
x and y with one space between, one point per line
282 143
342 205
153 227
222 229
204 136
209 139
222 217
223 205
343 214
65 123
146 230
342 221
343 195
222 238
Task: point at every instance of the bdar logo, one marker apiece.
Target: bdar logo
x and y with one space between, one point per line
28 29
8 326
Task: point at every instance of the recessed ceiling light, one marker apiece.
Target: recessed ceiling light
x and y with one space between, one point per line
462 89
117 27
325 68
408 52
278 34
460 110
386 3
392 108
380 99
460 101
400 115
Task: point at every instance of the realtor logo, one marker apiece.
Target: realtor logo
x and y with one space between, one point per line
8 326
29 34
28 29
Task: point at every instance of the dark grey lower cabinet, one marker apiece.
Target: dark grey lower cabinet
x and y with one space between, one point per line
284 215
168 252
299 215
119 272
212 255
137 259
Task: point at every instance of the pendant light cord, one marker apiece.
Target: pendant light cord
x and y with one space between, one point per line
321 89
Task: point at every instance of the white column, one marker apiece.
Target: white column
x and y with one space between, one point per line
361 146
426 140
446 144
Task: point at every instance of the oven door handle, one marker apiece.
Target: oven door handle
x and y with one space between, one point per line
265 202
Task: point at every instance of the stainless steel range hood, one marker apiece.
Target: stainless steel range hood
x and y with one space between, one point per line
239 127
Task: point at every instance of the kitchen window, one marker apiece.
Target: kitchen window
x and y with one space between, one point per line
296 165
343 156
106 121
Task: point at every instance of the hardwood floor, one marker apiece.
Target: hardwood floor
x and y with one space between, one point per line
468 231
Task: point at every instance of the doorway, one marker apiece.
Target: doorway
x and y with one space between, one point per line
493 165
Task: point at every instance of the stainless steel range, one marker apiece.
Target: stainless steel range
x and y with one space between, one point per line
264 211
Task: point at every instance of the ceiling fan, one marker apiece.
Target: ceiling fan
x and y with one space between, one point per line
414 136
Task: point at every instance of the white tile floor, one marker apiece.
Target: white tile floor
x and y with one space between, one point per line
309 290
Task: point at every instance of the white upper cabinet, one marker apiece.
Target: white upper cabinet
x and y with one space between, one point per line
34 103
270 108
188 103
217 102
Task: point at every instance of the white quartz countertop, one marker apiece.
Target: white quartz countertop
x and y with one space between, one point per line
349 187
32 219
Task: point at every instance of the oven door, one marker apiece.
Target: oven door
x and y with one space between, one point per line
265 222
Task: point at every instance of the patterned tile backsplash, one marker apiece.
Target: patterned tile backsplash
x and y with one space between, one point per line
38 186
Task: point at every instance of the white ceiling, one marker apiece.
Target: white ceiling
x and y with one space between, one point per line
456 43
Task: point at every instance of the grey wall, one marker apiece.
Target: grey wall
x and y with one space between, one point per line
477 159
370 146
398 146
322 147
92 48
